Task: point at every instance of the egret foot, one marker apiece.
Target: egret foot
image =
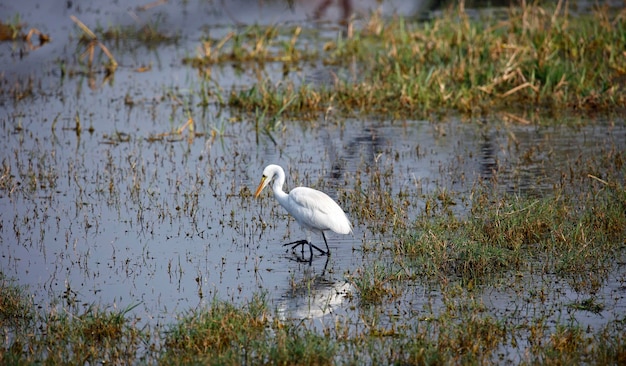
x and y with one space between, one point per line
295 244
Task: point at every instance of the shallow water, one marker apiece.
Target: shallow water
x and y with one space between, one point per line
113 218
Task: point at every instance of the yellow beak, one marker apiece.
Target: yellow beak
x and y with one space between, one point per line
260 187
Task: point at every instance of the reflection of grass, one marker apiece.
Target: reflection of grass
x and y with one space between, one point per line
535 56
177 134
254 44
149 35
12 30
90 41
590 304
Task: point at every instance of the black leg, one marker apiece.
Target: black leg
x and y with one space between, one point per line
325 242
316 247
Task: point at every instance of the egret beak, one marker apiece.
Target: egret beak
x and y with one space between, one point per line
262 185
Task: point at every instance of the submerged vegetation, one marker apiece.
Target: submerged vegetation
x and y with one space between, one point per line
507 242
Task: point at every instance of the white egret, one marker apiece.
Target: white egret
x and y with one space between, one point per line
312 209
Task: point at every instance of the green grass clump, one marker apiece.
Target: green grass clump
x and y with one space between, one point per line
14 305
376 283
534 56
220 331
576 239
300 346
471 339
93 336
225 334
572 344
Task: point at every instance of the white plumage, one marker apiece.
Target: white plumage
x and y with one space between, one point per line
312 209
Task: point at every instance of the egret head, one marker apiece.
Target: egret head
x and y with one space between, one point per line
269 173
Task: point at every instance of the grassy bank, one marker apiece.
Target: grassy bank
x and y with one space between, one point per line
530 57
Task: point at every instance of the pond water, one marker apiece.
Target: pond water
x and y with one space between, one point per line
111 215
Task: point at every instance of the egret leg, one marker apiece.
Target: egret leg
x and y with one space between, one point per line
325 242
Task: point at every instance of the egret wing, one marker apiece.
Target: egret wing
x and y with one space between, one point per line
317 211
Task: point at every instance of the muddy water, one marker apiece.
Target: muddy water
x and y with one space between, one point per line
120 213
